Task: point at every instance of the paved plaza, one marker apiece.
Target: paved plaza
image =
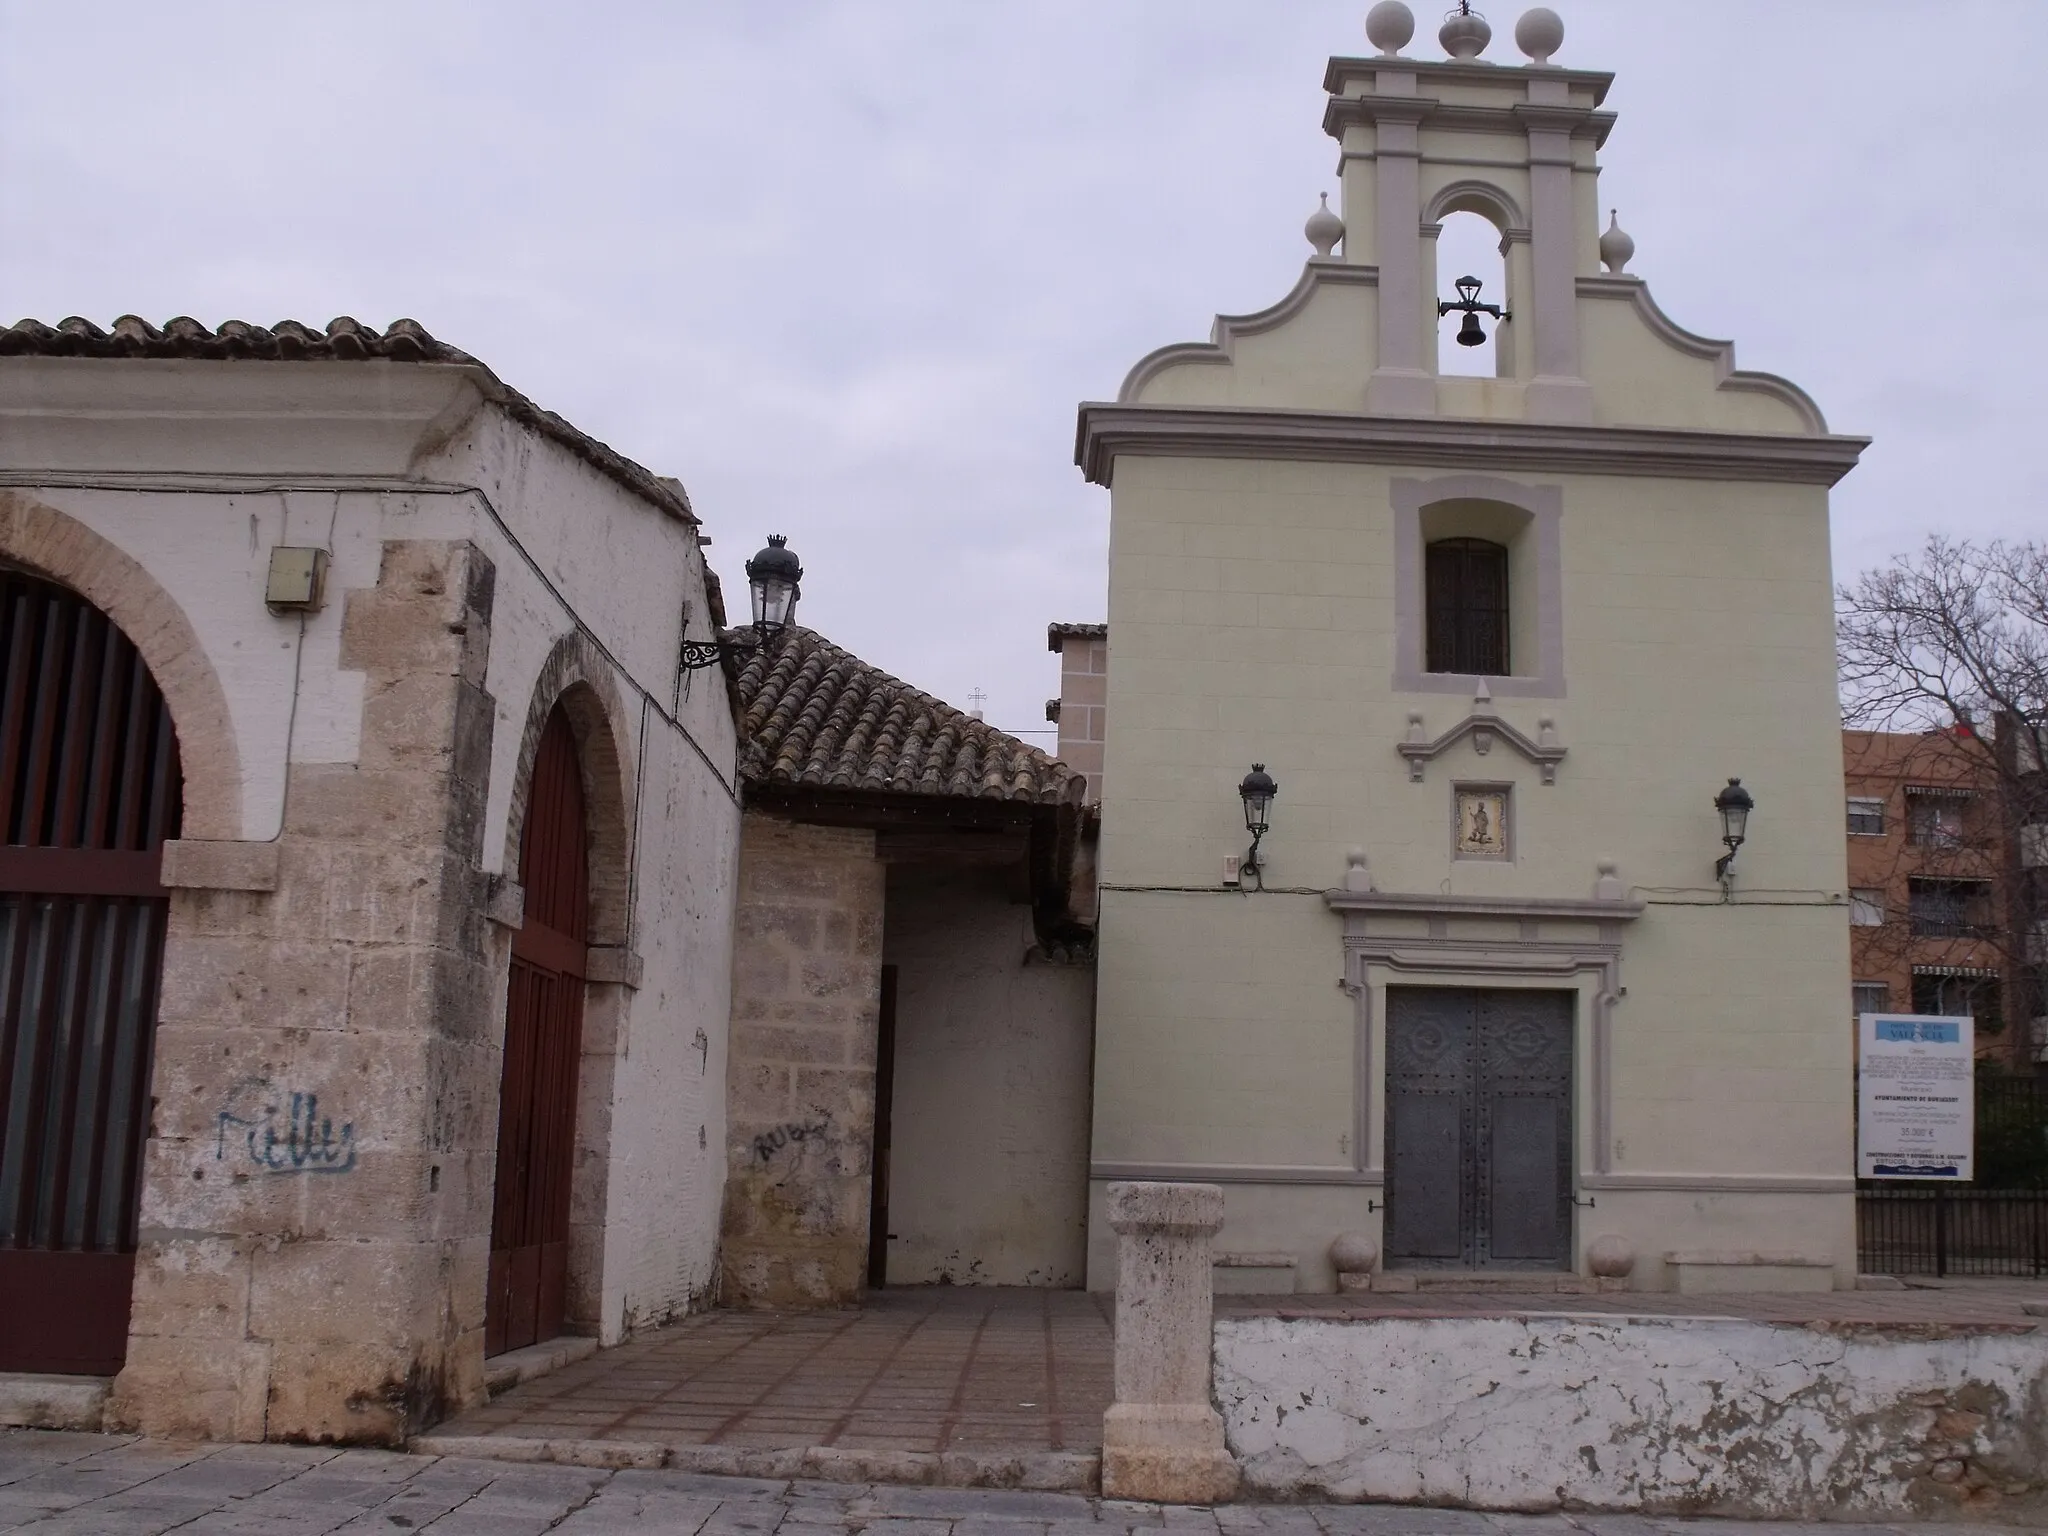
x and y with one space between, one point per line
55 1484
950 1384
994 1387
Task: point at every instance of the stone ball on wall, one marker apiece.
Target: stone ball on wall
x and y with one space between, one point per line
1354 1253
1389 25
1540 33
1611 1256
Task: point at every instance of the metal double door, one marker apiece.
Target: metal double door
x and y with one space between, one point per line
1479 1128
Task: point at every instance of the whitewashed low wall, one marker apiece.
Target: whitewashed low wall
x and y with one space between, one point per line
1699 1415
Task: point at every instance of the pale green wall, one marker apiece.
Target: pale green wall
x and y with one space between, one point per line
1252 608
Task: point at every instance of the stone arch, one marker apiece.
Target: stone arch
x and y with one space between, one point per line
578 676
56 545
1468 195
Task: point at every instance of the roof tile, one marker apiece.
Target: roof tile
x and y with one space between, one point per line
343 339
814 715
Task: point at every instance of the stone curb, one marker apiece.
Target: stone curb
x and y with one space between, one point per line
1037 1471
32 1401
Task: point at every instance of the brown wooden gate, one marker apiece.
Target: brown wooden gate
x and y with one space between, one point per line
89 789
543 1044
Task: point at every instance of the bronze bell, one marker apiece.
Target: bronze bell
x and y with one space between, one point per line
1469 334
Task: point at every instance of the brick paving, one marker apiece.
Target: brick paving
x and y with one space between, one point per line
54 1484
929 1370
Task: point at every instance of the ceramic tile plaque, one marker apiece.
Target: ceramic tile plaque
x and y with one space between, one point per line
1482 829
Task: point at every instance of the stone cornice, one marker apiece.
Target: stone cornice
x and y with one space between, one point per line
1106 429
1515 120
1343 70
1527 908
1484 723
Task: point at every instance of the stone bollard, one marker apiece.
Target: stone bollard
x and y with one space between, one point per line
1162 1438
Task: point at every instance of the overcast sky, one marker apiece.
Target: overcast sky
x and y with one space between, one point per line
846 268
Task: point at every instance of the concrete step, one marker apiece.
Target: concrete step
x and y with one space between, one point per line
504 1372
1040 1471
1496 1282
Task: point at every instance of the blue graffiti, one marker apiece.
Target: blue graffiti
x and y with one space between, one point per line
304 1142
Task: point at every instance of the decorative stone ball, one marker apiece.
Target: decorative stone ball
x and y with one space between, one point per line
1464 34
1354 1253
1611 1257
1324 229
1617 245
1388 26
1539 33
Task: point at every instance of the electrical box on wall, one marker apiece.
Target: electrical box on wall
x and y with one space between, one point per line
1233 869
297 575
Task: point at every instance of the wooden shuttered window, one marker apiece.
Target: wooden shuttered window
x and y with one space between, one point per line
1466 600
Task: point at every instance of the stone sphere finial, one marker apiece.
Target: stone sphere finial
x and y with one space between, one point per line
1464 33
1610 1256
1324 229
1354 1253
1388 26
1616 245
1539 33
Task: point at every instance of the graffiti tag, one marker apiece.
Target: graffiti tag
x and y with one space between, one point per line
290 1138
768 1143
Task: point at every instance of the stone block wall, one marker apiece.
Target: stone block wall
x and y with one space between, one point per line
800 1083
316 1193
1084 708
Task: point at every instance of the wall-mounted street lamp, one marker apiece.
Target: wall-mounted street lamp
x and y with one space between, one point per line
1257 792
1469 334
1734 803
773 578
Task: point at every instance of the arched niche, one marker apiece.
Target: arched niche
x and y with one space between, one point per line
50 543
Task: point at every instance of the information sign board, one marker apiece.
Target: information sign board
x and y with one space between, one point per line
1916 1109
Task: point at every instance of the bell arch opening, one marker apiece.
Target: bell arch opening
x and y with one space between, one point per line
1469 244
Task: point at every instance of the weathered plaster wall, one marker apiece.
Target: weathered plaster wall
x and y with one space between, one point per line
178 467
989 1125
807 976
1679 1415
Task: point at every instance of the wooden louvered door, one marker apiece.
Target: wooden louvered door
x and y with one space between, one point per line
529 1268
89 789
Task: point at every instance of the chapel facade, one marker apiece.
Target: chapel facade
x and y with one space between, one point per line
1484 1004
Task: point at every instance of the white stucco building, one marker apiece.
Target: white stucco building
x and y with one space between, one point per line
394 613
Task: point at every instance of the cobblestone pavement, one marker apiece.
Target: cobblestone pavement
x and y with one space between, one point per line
54 1484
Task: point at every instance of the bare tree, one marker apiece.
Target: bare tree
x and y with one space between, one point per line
1953 641
1957 632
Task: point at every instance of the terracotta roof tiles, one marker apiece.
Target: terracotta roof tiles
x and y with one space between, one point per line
816 716
1056 635
341 340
